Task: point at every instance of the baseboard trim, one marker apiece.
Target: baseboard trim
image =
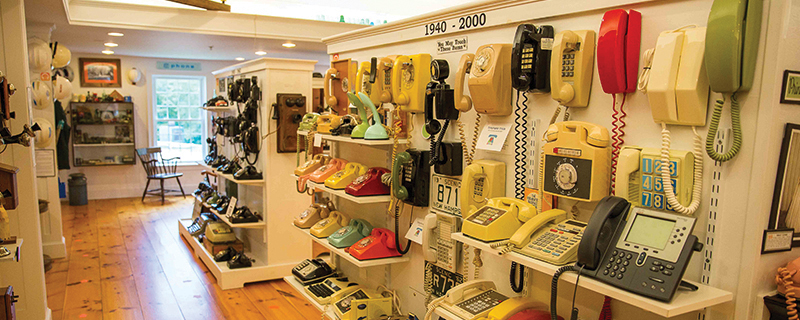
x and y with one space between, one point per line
55 250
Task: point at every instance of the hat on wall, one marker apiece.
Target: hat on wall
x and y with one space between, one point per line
65 72
42 95
39 55
62 88
61 55
46 135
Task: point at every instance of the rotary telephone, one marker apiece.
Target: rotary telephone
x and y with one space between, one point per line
640 182
321 292
410 75
326 122
413 187
571 67
325 227
369 184
314 213
344 177
311 271
343 300
337 83
376 131
437 245
549 237
360 129
498 219
379 244
490 81
470 300
311 165
577 161
482 180
530 58
366 81
322 173
348 235
309 122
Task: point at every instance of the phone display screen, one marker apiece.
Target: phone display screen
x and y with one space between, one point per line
650 231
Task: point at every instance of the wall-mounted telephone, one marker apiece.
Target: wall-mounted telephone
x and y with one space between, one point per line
519 308
439 101
470 300
327 170
361 128
576 161
376 131
530 58
311 165
411 177
314 214
309 122
385 66
379 244
337 83
463 102
322 292
369 184
490 81
639 177
618 50
344 177
734 27
291 108
311 271
437 246
348 235
325 227
647 253
343 300
410 75
549 236
366 81
481 181
326 122
498 219
448 159
571 67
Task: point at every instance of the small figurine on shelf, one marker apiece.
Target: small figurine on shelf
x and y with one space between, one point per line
116 96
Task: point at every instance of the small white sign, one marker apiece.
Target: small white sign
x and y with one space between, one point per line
493 136
777 240
415 232
45 163
317 140
445 194
452 45
231 207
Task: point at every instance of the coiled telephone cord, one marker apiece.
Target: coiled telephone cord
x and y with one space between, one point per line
477 262
517 282
714 126
618 133
644 76
464 146
435 142
520 142
697 189
476 131
785 276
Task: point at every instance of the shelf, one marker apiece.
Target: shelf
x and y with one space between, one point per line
348 257
106 164
101 124
103 145
363 142
14 248
223 218
230 177
342 194
299 287
683 301
220 109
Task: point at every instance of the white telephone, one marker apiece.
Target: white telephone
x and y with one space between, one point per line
470 300
438 247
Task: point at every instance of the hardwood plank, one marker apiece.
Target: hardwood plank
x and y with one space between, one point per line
296 299
119 295
86 296
269 302
81 314
114 266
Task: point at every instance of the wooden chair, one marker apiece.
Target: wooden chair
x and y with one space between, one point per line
158 168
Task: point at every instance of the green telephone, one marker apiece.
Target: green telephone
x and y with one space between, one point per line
549 237
348 235
732 36
308 122
376 131
498 219
483 179
329 225
360 129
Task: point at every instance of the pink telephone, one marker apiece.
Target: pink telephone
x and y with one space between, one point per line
786 279
379 244
327 170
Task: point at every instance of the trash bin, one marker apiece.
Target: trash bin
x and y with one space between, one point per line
77 189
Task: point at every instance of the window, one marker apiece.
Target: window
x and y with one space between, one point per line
178 122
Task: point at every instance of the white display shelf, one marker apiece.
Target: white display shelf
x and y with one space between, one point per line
226 278
362 142
104 145
224 218
299 287
220 109
683 302
340 252
342 194
230 177
14 248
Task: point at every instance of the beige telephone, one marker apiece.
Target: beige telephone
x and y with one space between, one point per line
498 219
314 213
548 237
571 67
410 76
489 80
482 180
329 225
640 182
372 89
344 300
312 165
470 300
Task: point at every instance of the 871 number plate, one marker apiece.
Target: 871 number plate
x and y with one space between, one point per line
445 194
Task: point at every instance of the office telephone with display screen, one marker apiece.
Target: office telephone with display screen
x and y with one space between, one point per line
379 244
498 219
639 177
482 180
571 67
470 300
312 271
411 177
577 161
321 292
410 75
344 177
329 225
348 235
530 58
437 245
314 213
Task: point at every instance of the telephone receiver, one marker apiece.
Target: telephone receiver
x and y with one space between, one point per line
346 236
594 135
571 67
366 81
410 75
385 236
379 244
734 27
360 130
618 50
329 225
457 293
400 192
327 170
384 67
428 237
312 215
463 102
309 166
607 218
376 131
327 86
344 177
523 235
490 175
490 81
530 58
498 219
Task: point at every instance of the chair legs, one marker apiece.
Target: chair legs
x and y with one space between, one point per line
162 191
180 186
145 189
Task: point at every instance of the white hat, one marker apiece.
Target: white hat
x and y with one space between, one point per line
42 95
61 56
47 134
39 55
65 72
62 88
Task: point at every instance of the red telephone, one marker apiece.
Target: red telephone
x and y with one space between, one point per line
369 184
327 170
618 50
379 244
533 314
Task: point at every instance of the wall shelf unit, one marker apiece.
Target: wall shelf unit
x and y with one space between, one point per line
222 217
340 252
226 176
343 194
363 142
103 133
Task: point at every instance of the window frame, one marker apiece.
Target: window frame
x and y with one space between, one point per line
151 111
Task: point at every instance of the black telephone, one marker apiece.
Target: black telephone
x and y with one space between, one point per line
413 173
448 159
253 95
312 271
530 58
438 94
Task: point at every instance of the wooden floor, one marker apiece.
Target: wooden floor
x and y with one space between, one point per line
127 261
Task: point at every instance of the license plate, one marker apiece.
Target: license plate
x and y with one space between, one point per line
442 280
445 194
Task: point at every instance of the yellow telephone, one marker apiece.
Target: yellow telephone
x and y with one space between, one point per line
314 213
366 81
470 300
490 79
385 65
326 122
410 75
463 102
498 219
571 67
329 225
549 237
343 178
344 300
317 161
482 180
639 177
576 161
514 306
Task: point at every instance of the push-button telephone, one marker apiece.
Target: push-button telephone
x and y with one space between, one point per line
321 292
639 177
438 247
498 219
312 271
470 300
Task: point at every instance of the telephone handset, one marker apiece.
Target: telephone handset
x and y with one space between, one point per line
524 234
482 180
361 128
325 227
530 58
437 245
410 75
618 50
327 170
337 82
489 79
734 27
498 219
379 244
554 240
344 177
348 235
411 177
311 271
366 81
470 300
571 67
314 214
606 221
576 161
639 177
463 102
309 122
309 166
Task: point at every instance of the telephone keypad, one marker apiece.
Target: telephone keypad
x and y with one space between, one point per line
482 302
567 65
554 242
653 194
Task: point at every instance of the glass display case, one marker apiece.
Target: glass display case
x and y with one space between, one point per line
103 133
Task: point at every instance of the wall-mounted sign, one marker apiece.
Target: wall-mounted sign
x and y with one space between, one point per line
451 45
790 91
177 65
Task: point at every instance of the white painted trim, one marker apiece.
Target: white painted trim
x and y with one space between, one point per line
55 250
268 63
151 113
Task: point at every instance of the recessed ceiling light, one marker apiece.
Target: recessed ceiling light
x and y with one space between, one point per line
106 51
110 44
289 45
261 52
115 34
239 59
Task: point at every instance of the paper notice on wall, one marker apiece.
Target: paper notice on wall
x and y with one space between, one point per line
317 140
493 136
415 232
452 45
45 163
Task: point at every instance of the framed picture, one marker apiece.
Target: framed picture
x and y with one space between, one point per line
103 73
222 85
785 211
790 90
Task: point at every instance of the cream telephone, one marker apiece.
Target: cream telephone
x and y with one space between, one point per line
314 214
438 247
576 161
369 304
366 81
640 182
490 79
498 219
325 227
410 75
482 180
549 237
571 67
470 300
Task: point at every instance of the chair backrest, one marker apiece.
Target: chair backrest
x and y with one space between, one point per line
150 158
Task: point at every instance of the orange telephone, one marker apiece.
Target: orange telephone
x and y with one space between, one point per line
489 80
313 164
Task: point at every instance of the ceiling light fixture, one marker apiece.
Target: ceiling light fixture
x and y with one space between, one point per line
110 44
239 59
261 52
289 45
115 34
107 51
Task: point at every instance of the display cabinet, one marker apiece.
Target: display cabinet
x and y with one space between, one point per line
103 133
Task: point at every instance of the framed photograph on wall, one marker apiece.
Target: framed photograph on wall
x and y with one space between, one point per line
790 90
785 211
102 73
